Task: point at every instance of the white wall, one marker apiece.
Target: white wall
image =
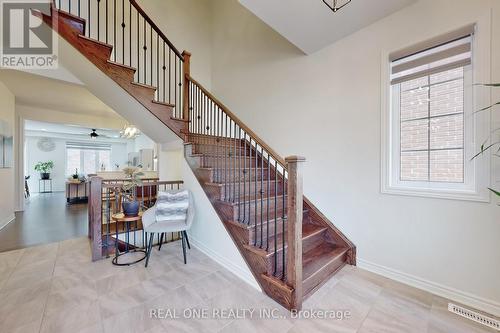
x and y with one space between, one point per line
187 24
326 107
7 176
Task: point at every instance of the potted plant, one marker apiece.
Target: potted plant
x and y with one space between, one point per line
75 178
44 169
130 204
492 143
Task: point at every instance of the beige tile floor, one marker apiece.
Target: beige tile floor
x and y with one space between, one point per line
56 288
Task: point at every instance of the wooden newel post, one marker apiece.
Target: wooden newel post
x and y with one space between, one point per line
187 72
294 226
95 222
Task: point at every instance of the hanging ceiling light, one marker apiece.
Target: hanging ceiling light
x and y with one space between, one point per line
93 134
129 132
336 5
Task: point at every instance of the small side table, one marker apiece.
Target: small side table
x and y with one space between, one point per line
44 181
126 222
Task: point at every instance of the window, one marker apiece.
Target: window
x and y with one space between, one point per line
87 158
431 123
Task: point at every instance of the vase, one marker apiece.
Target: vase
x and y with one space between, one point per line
45 175
130 207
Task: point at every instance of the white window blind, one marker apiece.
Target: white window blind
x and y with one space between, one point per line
429 97
87 158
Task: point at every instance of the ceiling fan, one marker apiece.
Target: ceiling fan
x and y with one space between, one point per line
93 135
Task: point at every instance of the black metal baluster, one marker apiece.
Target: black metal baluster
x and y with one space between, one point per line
114 31
69 6
169 72
106 22
232 164
255 191
244 171
158 67
151 53
261 196
249 177
138 52
275 217
130 33
163 67
283 226
225 162
145 48
89 9
79 8
175 85
123 32
268 196
98 18
239 170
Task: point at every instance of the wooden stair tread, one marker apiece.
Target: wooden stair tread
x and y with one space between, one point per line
96 41
122 65
308 230
166 104
319 257
172 117
143 85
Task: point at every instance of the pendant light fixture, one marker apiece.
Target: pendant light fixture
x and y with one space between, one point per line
336 5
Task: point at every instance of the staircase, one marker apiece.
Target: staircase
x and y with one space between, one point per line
289 245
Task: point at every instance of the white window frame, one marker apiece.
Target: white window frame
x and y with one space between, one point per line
476 129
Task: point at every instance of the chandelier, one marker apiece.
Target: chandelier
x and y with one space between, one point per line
129 132
336 5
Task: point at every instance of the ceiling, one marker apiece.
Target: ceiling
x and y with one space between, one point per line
48 93
311 25
40 126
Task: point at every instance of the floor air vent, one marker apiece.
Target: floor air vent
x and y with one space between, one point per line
474 316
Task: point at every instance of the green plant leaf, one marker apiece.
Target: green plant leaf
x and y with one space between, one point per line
494 191
483 149
487 108
488 84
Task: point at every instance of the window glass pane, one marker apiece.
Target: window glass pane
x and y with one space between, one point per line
447 166
414 103
104 160
415 166
89 161
73 161
447 97
414 135
447 132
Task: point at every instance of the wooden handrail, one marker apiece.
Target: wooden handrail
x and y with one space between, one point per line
156 29
240 123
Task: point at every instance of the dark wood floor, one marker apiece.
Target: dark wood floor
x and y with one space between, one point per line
46 219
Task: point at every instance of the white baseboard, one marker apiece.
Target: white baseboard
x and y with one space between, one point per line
245 276
476 302
7 220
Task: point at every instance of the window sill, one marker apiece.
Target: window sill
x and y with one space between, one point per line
481 196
